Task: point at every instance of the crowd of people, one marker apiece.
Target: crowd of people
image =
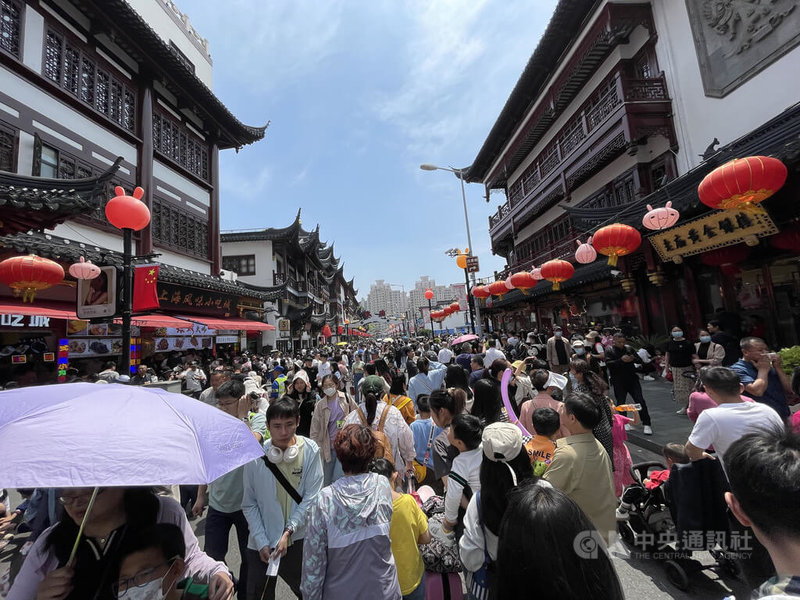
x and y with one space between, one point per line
379 458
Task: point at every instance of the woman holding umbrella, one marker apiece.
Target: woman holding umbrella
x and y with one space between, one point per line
48 574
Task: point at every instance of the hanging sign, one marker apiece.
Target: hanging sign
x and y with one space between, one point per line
717 230
178 298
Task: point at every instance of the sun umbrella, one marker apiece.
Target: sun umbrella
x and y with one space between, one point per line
88 435
341 344
467 337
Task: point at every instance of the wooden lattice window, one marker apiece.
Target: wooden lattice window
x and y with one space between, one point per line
241 265
176 142
173 227
10 25
80 74
8 147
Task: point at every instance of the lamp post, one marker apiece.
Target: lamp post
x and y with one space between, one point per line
460 174
461 262
129 214
429 297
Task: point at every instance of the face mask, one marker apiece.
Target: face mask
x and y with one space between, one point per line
677 334
573 379
705 339
579 350
329 391
148 591
558 334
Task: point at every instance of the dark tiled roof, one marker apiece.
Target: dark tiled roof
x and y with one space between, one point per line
39 203
269 233
69 251
137 37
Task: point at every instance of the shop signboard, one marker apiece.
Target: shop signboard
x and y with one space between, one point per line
34 321
181 299
717 230
284 328
227 339
98 297
63 359
166 344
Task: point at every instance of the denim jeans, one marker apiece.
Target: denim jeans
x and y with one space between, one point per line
218 527
419 592
356 378
331 470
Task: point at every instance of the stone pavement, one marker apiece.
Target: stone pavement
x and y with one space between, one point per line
667 426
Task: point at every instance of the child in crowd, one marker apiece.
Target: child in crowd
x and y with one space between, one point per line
152 563
464 479
673 453
622 456
658 361
408 530
425 431
546 425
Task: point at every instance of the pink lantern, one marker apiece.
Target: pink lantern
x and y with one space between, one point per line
660 218
585 252
509 285
84 270
536 273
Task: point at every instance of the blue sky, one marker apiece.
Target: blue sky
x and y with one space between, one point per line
359 95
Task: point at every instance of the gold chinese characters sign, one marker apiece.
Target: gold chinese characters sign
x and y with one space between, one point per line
717 230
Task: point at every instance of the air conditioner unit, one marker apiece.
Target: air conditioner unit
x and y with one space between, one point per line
228 275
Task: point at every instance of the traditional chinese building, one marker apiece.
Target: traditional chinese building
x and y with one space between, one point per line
306 281
99 94
624 104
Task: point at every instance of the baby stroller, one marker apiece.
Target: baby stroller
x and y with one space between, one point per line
686 514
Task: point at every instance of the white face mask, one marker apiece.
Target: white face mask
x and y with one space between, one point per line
148 591
329 391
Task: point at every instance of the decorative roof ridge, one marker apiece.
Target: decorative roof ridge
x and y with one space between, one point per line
84 184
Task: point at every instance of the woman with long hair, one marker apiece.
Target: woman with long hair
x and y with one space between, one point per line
445 405
380 416
589 382
306 398
326 421
348 526
487 404
117 511
505 465
456 377
397 398
549 549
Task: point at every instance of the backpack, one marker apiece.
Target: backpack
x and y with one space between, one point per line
384 449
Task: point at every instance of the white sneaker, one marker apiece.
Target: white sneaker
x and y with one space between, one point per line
681 412
647 430
628 427
648 378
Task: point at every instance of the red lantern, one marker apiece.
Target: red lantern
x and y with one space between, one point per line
788 239
585 252
455 307
29 274
523 281
498 288
616 240
741 183
429 294
326 331
557 271
481 291
84 270
660 218
128 212
730 255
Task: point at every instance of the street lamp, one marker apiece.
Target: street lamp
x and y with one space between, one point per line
461 262
429 297
460 174
129 214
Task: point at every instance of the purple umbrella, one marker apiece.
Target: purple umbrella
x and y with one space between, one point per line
89 435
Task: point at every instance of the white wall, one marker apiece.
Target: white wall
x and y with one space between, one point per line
194 193
36 99
264 262
179 260
88 235
33 39
156 13
699 118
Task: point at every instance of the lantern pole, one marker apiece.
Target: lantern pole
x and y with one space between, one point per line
430 314
127 306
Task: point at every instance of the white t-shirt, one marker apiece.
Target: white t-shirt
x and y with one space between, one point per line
722 425
466 465
492 354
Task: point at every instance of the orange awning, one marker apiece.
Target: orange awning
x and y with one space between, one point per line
42 309
230 323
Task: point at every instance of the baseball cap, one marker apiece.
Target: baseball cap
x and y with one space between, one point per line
578 343
278 368
501 442
515 365
372 385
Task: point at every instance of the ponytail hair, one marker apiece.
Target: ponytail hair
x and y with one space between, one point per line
371 404
454 400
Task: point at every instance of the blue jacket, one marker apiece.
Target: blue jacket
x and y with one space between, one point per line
260 504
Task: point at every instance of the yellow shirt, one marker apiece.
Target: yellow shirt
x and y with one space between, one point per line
408 523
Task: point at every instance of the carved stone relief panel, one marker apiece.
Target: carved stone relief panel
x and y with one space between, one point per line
735 39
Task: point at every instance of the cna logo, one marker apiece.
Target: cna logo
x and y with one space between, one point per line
589 544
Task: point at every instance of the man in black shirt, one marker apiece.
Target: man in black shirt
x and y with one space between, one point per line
727 341
621 361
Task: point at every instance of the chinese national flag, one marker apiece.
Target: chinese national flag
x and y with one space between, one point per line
145 293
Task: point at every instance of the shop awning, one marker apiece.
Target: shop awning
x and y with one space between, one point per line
41 309
230 323
158 321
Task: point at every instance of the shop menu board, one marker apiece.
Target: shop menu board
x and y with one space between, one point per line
95 339
192 337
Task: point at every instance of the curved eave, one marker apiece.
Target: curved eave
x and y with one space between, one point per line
134 35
